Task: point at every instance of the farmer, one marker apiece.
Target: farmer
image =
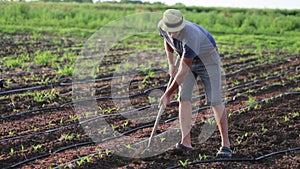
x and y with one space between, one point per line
199 57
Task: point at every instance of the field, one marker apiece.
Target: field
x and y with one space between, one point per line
51 117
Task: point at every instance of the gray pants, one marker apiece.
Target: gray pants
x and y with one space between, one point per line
208 68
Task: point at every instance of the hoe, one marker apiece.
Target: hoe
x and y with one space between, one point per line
161 109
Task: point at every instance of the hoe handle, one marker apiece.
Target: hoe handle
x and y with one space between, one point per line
162 107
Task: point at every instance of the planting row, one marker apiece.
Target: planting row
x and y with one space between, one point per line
41 125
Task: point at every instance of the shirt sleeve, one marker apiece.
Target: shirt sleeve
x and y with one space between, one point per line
188 52
161 32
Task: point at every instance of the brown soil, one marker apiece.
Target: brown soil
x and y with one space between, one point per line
48 134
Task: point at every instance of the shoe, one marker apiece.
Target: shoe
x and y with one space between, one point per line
183 147
224 152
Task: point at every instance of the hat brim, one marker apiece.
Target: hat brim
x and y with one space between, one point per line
170 29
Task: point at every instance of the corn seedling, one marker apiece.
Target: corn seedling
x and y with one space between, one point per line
61 121
240 139
263 129
22 149
286 118
100 154
88 114
295 114
34 128
80 162
73 118
88 158
162 139
10 133
69 137
78 135
251 100
202 157
37 147
11 151
44 96
128 146
184 163
125 123
102 131
107 152
50 123
211 121
113 127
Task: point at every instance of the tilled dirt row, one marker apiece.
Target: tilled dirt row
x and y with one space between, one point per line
54 132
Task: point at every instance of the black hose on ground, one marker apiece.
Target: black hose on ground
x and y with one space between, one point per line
239 159
1 83
148 125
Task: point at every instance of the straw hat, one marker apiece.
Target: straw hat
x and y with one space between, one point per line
172 21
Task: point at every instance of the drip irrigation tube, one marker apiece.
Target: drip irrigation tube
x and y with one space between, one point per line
109 77
48 154
79 101
260 80
38 133
144 92
240 159
145 126
80 123
78 159
262 88
36 110
102 79
26 89
130 96
151 124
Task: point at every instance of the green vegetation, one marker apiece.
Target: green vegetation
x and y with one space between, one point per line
260 28
184 163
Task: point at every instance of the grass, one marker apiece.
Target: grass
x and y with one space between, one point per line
262 28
